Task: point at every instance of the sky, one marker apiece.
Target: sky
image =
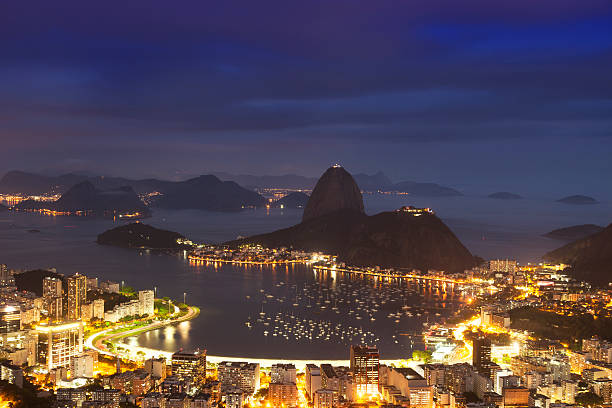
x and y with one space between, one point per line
476 94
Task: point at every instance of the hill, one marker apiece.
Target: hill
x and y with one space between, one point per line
32 281
35 184
138 235
297 199
335 190
574 232
85 197
208 193
590 258
577 200
334 223
504 195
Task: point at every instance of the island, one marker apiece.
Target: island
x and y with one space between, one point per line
578 200
139 235
504 195
574 232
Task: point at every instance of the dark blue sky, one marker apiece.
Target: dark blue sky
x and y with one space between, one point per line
474 93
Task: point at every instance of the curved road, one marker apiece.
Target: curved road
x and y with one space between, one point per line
100 338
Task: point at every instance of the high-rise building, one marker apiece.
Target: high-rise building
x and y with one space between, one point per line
10 319
238 374
283 373
98 309
190 366
146 302
52 287
364 366
77 295
55 308
283 394
58 343
313 380
6 276
156 367
234 398
81 366
482 355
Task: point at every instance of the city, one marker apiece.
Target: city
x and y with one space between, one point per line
66 343
306 204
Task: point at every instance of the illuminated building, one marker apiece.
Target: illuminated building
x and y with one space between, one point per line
313 380
324 398
107 395
55 308
81 366
156 367
516 397
58 343
482 355
329 378
364 366
238 374
234 398
98 309
146 301
283 373
411 385
6 277
503 265
86 311
52 287
190 366
10 320
11 374
77 295
283 394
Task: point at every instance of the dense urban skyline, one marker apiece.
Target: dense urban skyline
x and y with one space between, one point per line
436 93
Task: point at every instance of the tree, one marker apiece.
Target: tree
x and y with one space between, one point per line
588 399
422 355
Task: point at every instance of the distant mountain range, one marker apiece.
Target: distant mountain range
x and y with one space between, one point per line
366 182
203 192
589 258
334 223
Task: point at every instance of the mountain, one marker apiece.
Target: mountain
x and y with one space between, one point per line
335 190
335 223
85 197
577 200
374 182
425 189
574 232
504 195
589 258
208 193
35 184
290 181
297 199
138 235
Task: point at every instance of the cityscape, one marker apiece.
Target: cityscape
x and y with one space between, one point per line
306 204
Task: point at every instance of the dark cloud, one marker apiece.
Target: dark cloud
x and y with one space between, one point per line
277 80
